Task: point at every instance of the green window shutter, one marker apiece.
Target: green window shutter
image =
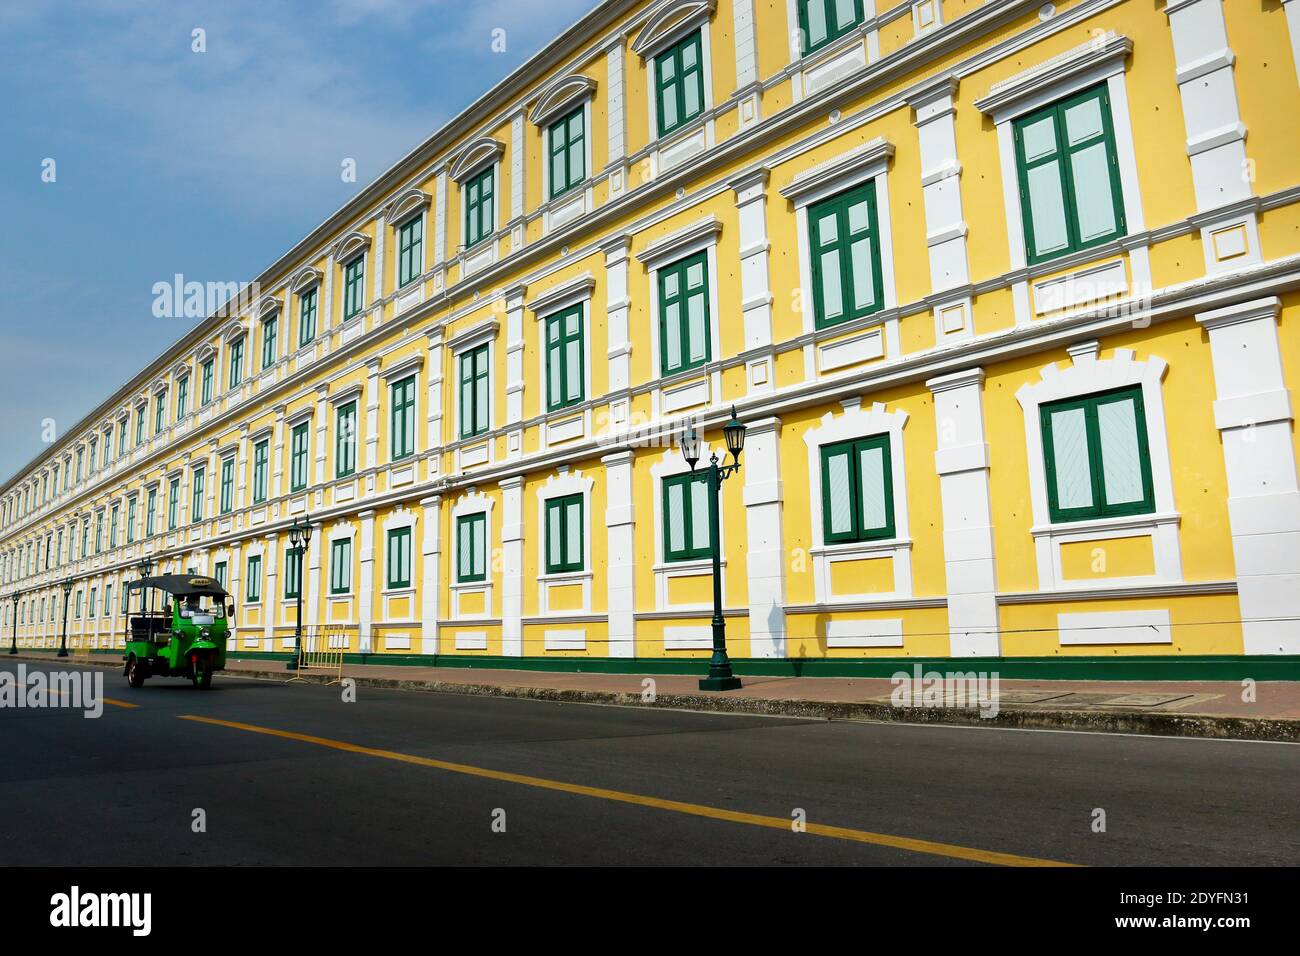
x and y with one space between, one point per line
196 502
206 393
345 443
480 207
131 507
1070 194
1097 457
679 83
253 586
261 454
159 420
564 534
846 274
354 278
227 486
298 457
182 399
857 490
568 156
686 517
341 566
173 504
823 21
565 362
402 431
410 258
471 548
306 317
399 558
268 342
150 514
218 572
292 571
474 398
684 323
236 363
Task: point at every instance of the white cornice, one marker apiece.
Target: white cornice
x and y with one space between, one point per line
865 160
406 204
673 246
349 247
562 295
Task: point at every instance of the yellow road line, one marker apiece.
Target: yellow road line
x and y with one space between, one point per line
675 806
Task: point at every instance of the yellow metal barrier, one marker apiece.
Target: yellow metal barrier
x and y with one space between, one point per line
322 652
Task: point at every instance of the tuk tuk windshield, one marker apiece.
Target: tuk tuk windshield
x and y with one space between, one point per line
202 608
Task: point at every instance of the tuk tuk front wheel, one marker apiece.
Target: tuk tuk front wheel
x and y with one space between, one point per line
134 672
203 676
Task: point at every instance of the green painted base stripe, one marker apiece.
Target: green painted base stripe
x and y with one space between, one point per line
1132 668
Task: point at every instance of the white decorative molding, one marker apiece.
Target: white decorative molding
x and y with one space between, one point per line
680 243
1074 69
475 156
409 202
560 97
853 423
1086 375
669 21
1105 628
839 173
349 247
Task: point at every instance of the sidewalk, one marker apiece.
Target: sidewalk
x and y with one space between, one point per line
1171 708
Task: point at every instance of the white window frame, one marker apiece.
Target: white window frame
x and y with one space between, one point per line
1087 375
699 236
670 464
876 337
855 422
559 426
1102 60
671 21
471 338
403 471
560 485
852 52
471 503
403 517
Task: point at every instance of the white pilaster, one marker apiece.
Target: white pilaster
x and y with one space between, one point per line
617 304
366 594
945 223
620 566
615 98
755 284
1216 136
381 233
429 586
765 554
512 566
962 462
517 173
434 400
515 361
322 432
270 596
1292 8
1254 415
372 414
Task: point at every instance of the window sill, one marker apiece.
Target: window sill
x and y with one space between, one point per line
1089 526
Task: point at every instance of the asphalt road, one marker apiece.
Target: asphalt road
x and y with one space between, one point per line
438 775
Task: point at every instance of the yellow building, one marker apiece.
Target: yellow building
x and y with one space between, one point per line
1004 290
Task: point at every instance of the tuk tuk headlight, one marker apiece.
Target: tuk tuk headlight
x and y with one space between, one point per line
205 632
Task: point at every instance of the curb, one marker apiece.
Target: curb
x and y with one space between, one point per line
1163 724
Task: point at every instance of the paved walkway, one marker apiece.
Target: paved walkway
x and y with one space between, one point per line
1192 708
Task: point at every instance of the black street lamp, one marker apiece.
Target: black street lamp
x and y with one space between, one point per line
300 539
720 675
13 648
63 644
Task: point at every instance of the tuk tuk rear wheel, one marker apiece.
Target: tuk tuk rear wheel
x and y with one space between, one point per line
134 672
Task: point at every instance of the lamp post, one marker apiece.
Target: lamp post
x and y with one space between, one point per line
300 539
720 675
63 644
13 648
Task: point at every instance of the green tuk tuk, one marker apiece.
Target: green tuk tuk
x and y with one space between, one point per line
178 628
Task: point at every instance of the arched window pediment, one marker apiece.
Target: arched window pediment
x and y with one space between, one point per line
408 203
305 278
560 97
350 246
670 20
474 156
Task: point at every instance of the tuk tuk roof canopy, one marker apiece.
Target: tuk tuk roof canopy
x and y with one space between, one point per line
180 585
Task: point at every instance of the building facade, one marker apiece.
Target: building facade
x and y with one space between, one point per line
1005 291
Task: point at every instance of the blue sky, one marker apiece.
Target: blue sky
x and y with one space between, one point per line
208 164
